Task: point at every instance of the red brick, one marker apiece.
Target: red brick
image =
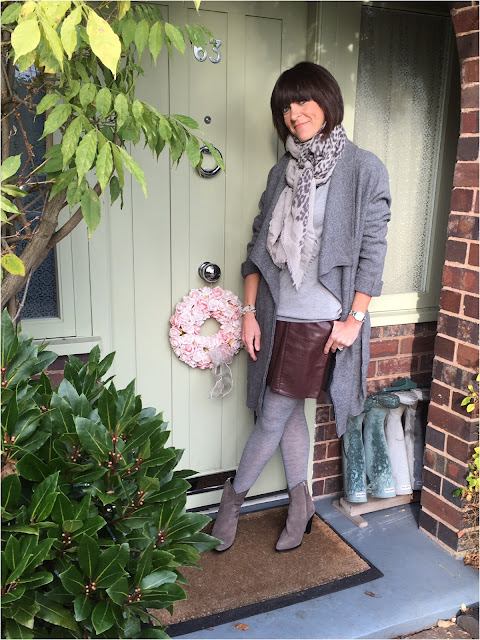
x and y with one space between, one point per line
456 251
458 449
440 394
372 369
417 344
467 356
375 332
466 20
461 278
423 378
466 173
320 451
455 471
428 523
470 306
462 226
333 485
398 330
326 432
442 509
473 254
327 468
318 486
459 5
462 199
428 328
444 348
470 71
323 413
464 330
435 461
334 449
467 46
475 205
452 423
450 300
451 375
432 481
469 125
471 421
383 348
467 149
434 438
397 366
426 362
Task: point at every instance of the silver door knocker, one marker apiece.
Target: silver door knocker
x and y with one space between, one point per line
202 54
209 173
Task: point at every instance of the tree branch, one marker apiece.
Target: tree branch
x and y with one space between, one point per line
71 223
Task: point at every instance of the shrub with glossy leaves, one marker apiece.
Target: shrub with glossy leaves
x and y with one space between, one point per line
94 525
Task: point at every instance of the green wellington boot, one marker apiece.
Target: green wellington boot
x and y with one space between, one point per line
225 527
299 520
353 461
377 461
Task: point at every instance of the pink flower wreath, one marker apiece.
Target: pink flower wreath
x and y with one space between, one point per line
201 304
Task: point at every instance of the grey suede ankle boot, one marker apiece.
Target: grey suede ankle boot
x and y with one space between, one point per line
225 526
299 520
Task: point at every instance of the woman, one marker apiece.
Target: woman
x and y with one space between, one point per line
314 262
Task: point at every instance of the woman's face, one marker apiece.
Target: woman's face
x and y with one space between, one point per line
303 119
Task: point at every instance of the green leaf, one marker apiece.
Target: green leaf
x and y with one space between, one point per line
68 33
121 108
90 526
47 102
32 467
115 189
87 94
43 498
12 190
104 41
470 408
12 553
72 525
37 579
129 27
155 40
134 169
73 581
75 192
22 610
10 166
85 154
154 580
110 565
193 151
118 592
83 607
8 206
117 160
16 630
94 438
55 614
104 166
19 568
62 181
88 553
104 102
216 156
10 14
153 632
25 38
39 552
70 140
102 616
141 36
144 564
175 36
58 116
187 122
123 7
54 41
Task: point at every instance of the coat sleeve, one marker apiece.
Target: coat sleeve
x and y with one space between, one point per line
376 201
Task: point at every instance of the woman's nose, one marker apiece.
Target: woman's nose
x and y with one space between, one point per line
294 110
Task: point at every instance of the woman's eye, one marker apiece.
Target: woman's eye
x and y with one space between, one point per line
285 110
302 101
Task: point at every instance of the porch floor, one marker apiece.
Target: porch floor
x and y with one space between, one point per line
422 583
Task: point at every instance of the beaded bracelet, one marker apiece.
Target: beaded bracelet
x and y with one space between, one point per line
249 308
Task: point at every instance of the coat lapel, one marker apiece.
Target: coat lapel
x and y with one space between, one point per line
336 247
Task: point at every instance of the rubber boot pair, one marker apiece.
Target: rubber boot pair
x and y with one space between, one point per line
299 520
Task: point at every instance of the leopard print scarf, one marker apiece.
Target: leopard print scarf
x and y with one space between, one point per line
291 237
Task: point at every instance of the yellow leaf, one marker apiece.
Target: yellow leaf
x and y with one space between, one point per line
54 41
25 38
197 4
27 9
104 41
68 33
13 264
123 7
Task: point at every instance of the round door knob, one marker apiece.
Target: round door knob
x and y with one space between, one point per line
209 271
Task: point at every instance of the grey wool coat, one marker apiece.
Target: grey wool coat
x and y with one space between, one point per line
351 259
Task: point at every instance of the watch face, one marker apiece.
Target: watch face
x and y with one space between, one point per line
358 315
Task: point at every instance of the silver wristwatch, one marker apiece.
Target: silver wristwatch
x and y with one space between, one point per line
358 315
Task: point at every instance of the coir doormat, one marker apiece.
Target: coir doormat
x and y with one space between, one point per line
251 577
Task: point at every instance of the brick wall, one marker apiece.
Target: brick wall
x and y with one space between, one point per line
395 351
451 432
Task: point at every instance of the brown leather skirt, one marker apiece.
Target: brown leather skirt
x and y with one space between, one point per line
298 367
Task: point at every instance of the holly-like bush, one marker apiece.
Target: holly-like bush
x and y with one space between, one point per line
94 525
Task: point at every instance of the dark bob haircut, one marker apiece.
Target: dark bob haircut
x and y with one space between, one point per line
307 81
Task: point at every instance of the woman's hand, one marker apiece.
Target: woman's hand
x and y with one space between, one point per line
251 334
343 334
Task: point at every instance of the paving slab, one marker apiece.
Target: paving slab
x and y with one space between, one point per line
422 584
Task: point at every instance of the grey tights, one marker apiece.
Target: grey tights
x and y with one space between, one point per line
282 422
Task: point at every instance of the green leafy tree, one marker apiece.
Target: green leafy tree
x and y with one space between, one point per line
85 59
94 525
